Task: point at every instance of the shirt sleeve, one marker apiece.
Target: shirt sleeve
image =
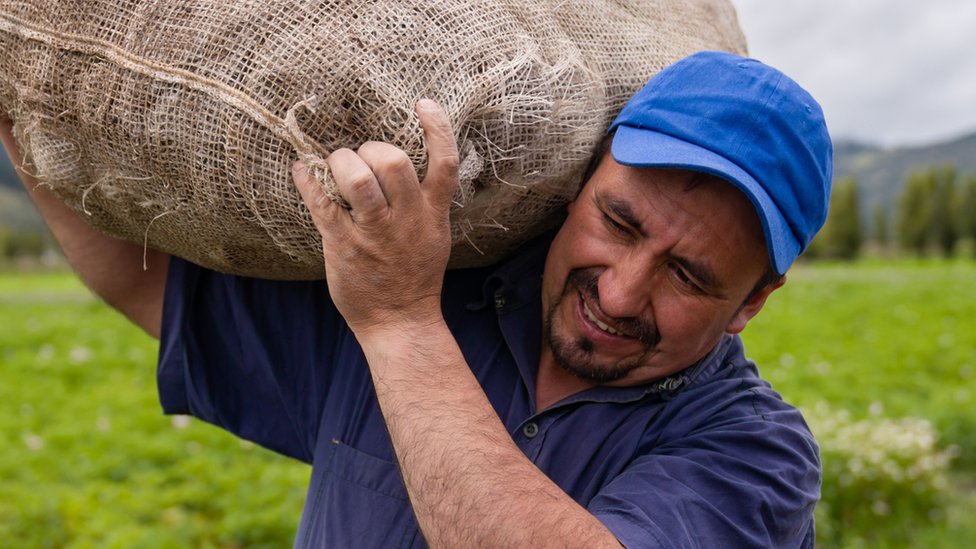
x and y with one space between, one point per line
248 355
748 476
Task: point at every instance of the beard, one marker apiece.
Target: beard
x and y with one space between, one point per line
576 355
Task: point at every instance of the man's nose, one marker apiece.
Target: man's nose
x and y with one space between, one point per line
625 287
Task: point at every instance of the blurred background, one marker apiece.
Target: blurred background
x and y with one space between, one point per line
874 337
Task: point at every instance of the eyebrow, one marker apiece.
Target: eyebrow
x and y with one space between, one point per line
621 209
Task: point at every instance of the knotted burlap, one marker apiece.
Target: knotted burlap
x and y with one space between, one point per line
174 123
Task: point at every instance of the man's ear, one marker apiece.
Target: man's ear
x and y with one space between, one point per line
569 206
752 306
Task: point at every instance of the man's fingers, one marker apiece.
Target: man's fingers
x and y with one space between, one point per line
358 185
314 197
442 152
394 171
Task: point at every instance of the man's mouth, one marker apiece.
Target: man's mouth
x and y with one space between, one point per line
583 283
600 324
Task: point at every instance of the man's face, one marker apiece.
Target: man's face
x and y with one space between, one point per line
647 273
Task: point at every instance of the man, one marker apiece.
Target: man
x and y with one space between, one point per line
590 391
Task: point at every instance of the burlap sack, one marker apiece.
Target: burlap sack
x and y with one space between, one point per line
174 123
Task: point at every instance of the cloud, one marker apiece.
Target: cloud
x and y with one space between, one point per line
895 72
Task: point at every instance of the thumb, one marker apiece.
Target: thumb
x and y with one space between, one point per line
442 153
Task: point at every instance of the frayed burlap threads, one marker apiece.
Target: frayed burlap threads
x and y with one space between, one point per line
175 123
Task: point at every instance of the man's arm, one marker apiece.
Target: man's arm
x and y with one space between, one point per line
468 483
112 268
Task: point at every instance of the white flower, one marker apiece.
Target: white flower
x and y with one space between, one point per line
45 352
880 507
876 408
33 442
79 354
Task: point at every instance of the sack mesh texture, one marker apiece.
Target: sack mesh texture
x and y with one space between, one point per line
174 123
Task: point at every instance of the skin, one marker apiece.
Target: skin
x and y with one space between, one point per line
397 229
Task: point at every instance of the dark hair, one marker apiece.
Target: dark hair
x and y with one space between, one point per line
768 278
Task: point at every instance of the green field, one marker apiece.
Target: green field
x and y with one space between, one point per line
89 460
899 339
883 341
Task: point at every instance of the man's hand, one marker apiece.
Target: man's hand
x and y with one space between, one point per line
385 256
469 484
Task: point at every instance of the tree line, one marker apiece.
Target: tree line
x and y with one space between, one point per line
23 243
934 214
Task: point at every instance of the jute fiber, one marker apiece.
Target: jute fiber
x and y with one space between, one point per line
174 123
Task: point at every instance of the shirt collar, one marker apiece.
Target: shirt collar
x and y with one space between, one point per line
668 387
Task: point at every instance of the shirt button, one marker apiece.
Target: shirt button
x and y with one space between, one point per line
530 429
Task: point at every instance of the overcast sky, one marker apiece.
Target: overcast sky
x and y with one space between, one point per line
891 72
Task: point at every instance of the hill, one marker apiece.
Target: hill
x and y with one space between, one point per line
880 172
8 177
16 210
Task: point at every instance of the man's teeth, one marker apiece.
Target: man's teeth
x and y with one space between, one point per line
603 326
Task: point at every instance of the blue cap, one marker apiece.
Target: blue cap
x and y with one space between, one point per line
745 122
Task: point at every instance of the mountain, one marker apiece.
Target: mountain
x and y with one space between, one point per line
8 177
880 172
16 210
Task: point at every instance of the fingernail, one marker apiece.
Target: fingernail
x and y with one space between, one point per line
427 104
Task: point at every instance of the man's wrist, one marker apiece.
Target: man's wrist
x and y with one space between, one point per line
401 326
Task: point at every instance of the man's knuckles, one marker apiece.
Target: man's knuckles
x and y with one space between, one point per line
361 182
445 165
381 155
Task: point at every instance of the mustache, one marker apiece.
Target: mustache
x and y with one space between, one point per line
586 281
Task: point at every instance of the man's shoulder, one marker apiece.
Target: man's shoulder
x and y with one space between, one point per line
730 394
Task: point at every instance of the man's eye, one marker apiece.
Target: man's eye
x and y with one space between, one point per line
614 225
686 280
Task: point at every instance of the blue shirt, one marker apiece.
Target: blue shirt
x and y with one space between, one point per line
708 457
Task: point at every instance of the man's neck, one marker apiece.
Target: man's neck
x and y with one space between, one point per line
553 383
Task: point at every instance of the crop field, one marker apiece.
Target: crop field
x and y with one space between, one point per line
89 460
881 357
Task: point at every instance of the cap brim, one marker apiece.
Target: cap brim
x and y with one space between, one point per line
649 149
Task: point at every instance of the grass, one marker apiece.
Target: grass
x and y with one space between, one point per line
89 460
879 338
